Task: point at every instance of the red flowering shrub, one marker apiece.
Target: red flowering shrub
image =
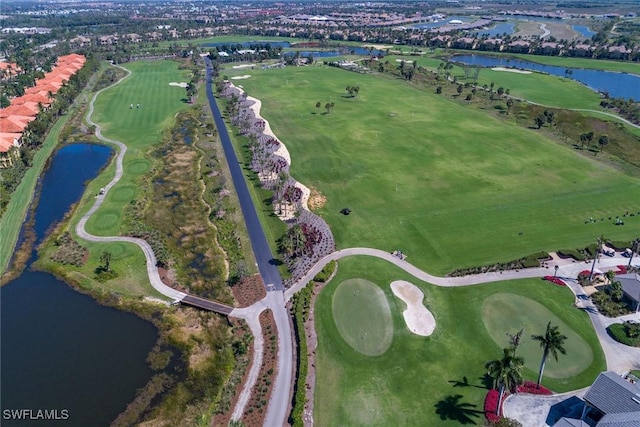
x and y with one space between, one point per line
491 405
532 388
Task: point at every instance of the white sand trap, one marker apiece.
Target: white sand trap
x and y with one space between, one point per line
240 67
408 61
511 70
419 320
180 84
246 76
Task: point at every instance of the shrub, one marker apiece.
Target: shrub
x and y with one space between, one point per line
326 272
627 333
607 306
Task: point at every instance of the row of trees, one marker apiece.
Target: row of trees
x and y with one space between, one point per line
507 371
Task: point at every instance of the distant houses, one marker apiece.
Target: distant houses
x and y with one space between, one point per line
23 109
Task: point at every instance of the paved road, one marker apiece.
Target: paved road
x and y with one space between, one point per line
280 396
265 259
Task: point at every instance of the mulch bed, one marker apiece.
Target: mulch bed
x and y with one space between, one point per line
250 290
256 409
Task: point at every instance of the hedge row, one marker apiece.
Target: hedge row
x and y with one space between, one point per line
301 305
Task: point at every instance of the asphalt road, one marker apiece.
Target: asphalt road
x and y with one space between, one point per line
264 257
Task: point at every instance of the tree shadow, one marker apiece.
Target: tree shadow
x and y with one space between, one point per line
451 408
465 383
487 381
275 261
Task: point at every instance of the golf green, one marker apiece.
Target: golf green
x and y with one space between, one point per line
505 313
363 316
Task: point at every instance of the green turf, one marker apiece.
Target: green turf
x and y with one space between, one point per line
536 87
450 186
363 316
138 128
506 313
435 380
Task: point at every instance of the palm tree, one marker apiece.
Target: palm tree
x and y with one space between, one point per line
551 342
603 140
596 256
506 373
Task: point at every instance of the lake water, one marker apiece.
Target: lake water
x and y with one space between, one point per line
498 30
584 30
60 349
618 85
445 21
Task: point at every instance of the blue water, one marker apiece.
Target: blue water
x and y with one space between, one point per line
445 21
60 349
618 85
499 30
584 30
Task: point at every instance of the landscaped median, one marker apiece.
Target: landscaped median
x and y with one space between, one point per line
491 399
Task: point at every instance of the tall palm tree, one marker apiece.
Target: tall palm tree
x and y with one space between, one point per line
551 342
506 373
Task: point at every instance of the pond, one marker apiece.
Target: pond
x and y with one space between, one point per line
61 350
498 30
618 85
584 30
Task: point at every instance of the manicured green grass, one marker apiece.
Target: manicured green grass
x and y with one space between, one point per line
450 186
138 128
507 312
363 316
435 380
536 87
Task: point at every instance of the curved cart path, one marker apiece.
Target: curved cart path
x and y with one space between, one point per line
152 269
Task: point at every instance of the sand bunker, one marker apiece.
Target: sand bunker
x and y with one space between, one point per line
511 70
408 61
240 67
419 320
180 84
246 76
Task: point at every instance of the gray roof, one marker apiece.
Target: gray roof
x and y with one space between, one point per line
630 285
625 419
570 422
612 394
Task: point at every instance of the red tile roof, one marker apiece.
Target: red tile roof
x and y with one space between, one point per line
27 110
14 124
7 140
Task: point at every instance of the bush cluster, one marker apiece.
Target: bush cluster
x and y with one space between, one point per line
68 251
326 272
530 261
301 305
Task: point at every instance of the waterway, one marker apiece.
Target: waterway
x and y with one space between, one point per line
618 85
498 30
61 350
584 30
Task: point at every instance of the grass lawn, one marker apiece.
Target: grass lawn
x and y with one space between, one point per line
541 88
450 186
138 128
435 380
